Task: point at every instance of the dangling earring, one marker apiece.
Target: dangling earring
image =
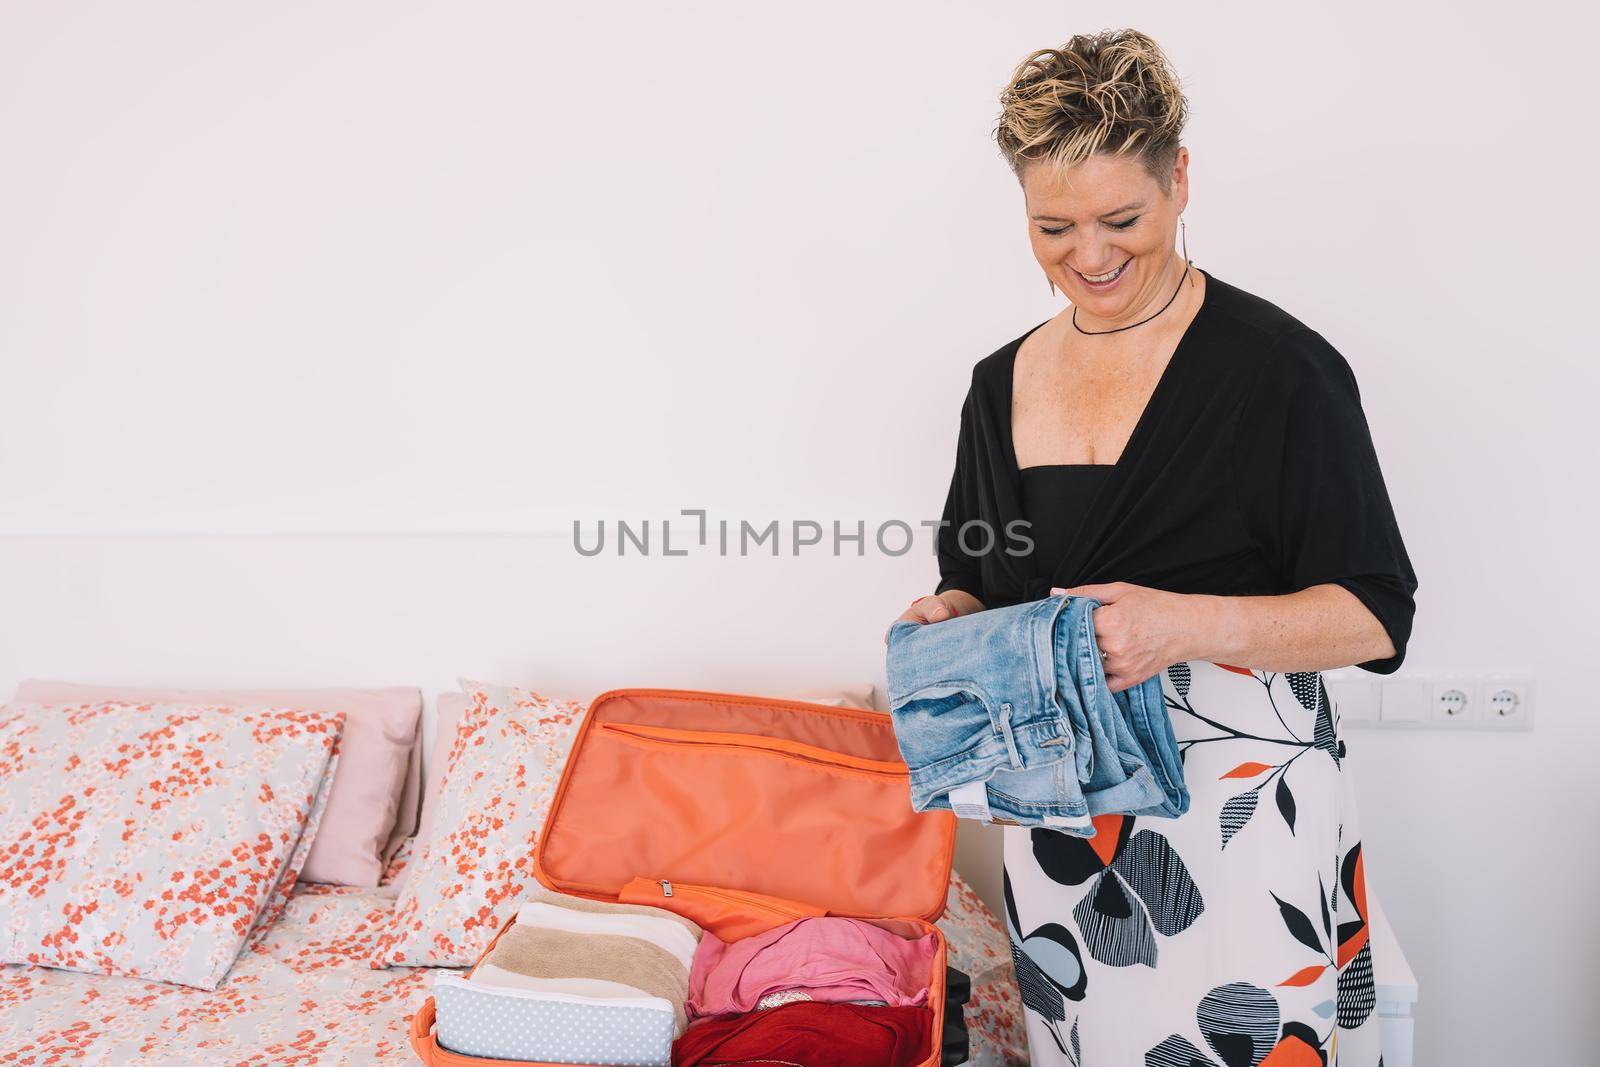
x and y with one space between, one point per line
1052 282
1183 228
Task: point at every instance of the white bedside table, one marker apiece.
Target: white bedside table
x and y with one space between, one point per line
1396 989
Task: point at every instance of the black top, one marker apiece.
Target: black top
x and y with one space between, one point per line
1250 471
1055 499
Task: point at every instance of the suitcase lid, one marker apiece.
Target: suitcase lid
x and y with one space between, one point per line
803 802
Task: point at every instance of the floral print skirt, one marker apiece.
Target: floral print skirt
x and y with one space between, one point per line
1233 936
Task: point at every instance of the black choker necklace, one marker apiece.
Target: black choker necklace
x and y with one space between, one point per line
1141 322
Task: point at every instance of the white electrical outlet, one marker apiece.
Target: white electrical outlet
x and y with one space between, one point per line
1507 702
1436 700
1453 700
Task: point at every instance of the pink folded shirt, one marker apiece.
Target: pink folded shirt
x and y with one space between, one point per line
830 959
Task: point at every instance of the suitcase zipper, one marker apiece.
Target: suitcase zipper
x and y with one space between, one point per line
733 896
772 746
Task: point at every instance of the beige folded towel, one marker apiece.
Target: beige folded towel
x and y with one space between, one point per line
588 948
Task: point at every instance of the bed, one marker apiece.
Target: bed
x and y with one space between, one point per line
302 993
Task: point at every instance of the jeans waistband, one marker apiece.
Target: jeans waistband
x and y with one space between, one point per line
1015 748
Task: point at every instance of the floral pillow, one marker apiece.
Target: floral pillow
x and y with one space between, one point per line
150 840
477 865
295 862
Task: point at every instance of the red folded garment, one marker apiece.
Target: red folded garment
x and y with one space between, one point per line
810 1034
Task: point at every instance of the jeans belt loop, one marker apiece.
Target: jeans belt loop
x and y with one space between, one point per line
1005 732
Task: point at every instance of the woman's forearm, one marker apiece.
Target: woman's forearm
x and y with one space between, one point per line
1316 629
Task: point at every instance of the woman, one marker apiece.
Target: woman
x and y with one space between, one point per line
1198 461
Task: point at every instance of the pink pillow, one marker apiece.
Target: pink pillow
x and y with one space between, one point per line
381 726
451 706
405 821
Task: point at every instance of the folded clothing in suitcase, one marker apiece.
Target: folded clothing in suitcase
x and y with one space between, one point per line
574 981
829 958
809 1033
742 814
513 1024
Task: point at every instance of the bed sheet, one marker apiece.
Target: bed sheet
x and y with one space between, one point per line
302 994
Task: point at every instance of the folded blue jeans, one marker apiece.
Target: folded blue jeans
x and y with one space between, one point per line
1004 715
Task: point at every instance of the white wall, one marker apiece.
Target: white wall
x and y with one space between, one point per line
291 293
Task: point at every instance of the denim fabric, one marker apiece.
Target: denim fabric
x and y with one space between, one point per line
1005 715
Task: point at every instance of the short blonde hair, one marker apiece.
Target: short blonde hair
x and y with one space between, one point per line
1111 92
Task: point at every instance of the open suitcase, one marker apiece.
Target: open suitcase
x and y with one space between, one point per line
742 813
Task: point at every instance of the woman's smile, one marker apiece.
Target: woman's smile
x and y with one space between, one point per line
1101 282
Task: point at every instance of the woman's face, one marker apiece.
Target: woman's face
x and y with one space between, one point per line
1104 232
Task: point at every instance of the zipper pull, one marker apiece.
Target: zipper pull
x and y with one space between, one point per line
666 888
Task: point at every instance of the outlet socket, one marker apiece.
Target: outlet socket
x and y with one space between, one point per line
1507 702
1453 700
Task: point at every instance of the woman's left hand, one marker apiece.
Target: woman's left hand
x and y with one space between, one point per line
1143 630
